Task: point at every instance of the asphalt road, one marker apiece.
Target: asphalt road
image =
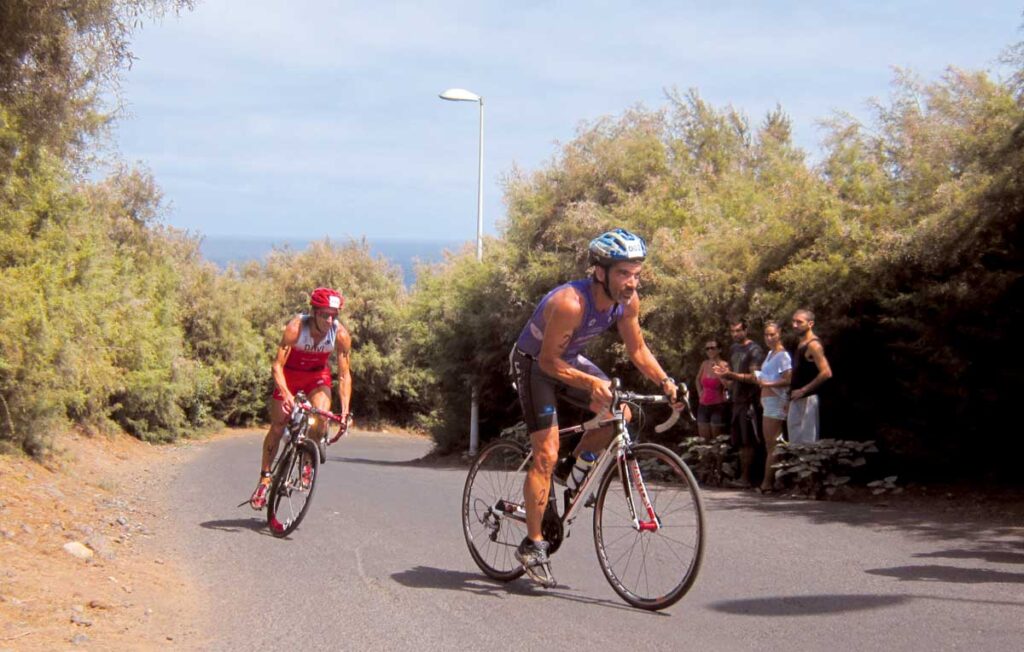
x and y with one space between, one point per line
380 564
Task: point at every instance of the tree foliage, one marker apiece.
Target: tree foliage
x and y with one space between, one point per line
58 58
904 239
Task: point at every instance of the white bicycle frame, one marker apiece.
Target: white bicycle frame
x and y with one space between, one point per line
614 453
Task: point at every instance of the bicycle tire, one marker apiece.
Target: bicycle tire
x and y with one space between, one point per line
651 569
290 497
495 480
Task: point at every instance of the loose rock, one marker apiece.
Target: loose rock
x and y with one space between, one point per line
81 620
77 549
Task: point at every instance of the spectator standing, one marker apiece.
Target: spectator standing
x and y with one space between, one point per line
712 406
810 370
745 358
774 378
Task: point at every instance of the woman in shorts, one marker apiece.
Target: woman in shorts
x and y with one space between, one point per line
773 377
713 404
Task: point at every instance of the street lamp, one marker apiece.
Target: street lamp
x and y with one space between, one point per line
462 95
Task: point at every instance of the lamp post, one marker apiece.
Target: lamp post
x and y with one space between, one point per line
462 95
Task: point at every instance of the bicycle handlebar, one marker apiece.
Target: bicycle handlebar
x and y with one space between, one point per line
302 403
620 396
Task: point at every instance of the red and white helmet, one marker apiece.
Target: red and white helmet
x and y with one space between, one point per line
326 298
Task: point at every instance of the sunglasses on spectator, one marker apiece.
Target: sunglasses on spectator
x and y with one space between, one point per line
710 348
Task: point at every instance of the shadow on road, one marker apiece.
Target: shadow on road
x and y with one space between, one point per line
991 554
422 462
817 605
930 522
237 525
425 577
807 605
955 574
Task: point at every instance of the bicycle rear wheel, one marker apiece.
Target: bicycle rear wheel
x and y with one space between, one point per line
292 490
493 510
650 565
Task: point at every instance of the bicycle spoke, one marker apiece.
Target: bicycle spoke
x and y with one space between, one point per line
491 534
292 489
650 568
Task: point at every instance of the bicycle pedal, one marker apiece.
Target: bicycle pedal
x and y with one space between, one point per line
548 580
590 501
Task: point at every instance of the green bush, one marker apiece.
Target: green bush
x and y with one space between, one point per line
383 386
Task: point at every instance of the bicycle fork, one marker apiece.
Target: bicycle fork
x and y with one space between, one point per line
632 480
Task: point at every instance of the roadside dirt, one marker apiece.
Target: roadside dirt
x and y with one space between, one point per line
104 497
108 497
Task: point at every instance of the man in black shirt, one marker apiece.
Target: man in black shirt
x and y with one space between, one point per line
745 357
810 370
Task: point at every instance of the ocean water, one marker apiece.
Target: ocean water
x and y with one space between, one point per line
405 252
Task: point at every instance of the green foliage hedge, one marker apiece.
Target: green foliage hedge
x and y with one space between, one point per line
904 238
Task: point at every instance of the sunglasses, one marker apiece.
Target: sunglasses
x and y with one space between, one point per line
710 348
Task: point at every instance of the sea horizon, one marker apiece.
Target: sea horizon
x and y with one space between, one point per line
224 251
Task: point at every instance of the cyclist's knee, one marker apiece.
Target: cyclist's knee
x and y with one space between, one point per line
545 450
544 461
321 398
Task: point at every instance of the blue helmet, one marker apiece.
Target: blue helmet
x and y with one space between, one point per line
617 246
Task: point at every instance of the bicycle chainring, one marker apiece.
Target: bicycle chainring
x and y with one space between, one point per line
551 527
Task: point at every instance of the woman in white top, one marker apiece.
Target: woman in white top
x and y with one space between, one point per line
774 377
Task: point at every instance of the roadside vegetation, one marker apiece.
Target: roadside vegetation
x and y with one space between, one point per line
903 236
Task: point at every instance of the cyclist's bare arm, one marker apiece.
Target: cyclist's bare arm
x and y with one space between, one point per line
343 346
563 316
636 347
288 340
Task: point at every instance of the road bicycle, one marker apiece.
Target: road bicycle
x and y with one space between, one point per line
296 469
648 513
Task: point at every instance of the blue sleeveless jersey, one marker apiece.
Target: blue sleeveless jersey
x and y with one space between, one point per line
594 323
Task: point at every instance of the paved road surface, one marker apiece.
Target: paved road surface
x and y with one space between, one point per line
380 564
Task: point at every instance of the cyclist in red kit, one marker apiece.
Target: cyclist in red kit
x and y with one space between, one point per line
302 364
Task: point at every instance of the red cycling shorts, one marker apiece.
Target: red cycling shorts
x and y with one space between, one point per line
304 381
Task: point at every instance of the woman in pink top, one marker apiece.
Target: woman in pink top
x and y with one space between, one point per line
712 408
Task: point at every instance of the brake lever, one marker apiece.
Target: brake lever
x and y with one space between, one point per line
682 398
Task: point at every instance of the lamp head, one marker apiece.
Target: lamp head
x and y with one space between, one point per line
459 95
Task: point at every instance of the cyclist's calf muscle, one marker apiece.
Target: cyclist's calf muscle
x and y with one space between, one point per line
538 478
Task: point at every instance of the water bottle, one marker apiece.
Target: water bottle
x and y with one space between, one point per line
580 470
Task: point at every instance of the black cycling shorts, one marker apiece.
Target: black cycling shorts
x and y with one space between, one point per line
539 393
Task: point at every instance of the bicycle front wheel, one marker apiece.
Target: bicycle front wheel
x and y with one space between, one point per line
493 508
650 553
292 489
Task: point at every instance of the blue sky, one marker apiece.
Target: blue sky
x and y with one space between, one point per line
312 118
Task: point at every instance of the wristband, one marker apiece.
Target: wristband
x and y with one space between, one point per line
667 379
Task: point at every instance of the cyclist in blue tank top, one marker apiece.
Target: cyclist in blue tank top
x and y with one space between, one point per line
548 365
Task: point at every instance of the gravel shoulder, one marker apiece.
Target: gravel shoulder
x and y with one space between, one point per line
83 543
